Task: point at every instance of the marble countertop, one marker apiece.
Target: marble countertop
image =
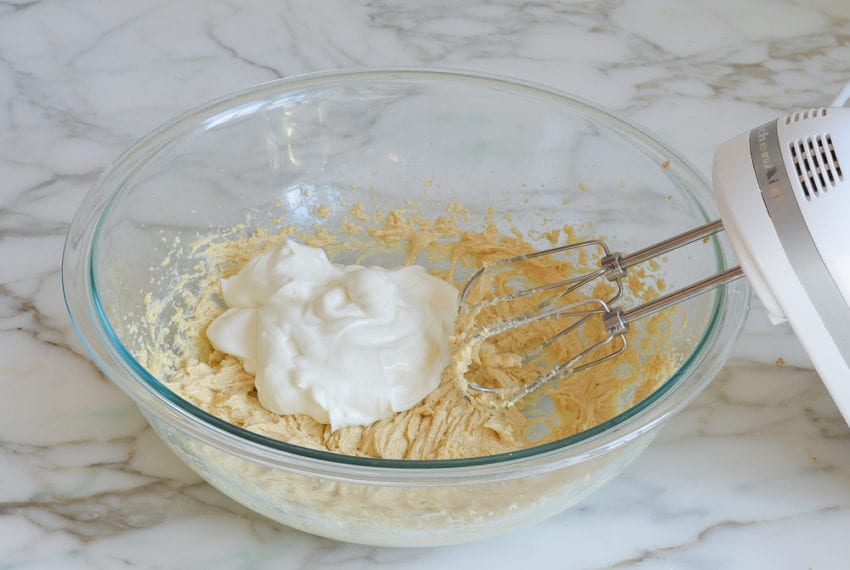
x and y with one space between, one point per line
754 474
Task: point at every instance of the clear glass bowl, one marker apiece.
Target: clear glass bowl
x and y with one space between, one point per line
384 137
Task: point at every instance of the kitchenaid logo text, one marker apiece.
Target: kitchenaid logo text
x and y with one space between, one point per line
770 170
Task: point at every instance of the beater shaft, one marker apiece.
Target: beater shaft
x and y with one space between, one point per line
681 295
672 243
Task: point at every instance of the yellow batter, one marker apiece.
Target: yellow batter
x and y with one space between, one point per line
445 424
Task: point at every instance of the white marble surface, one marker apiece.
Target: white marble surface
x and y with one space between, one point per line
754 474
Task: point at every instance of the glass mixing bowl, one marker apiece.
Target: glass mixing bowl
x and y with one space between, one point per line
269 155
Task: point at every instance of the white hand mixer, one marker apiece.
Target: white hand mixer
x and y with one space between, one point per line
784 198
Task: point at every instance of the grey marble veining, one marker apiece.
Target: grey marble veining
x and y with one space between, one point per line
754 474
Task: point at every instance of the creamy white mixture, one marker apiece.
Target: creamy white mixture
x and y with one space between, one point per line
346 345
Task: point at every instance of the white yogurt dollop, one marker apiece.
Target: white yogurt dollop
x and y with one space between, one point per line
347 345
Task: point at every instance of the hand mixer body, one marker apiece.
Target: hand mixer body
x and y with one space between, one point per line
785 204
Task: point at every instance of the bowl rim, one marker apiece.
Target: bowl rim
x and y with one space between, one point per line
153 397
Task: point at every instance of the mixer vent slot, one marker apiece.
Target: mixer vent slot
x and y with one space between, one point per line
816 164
807 114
